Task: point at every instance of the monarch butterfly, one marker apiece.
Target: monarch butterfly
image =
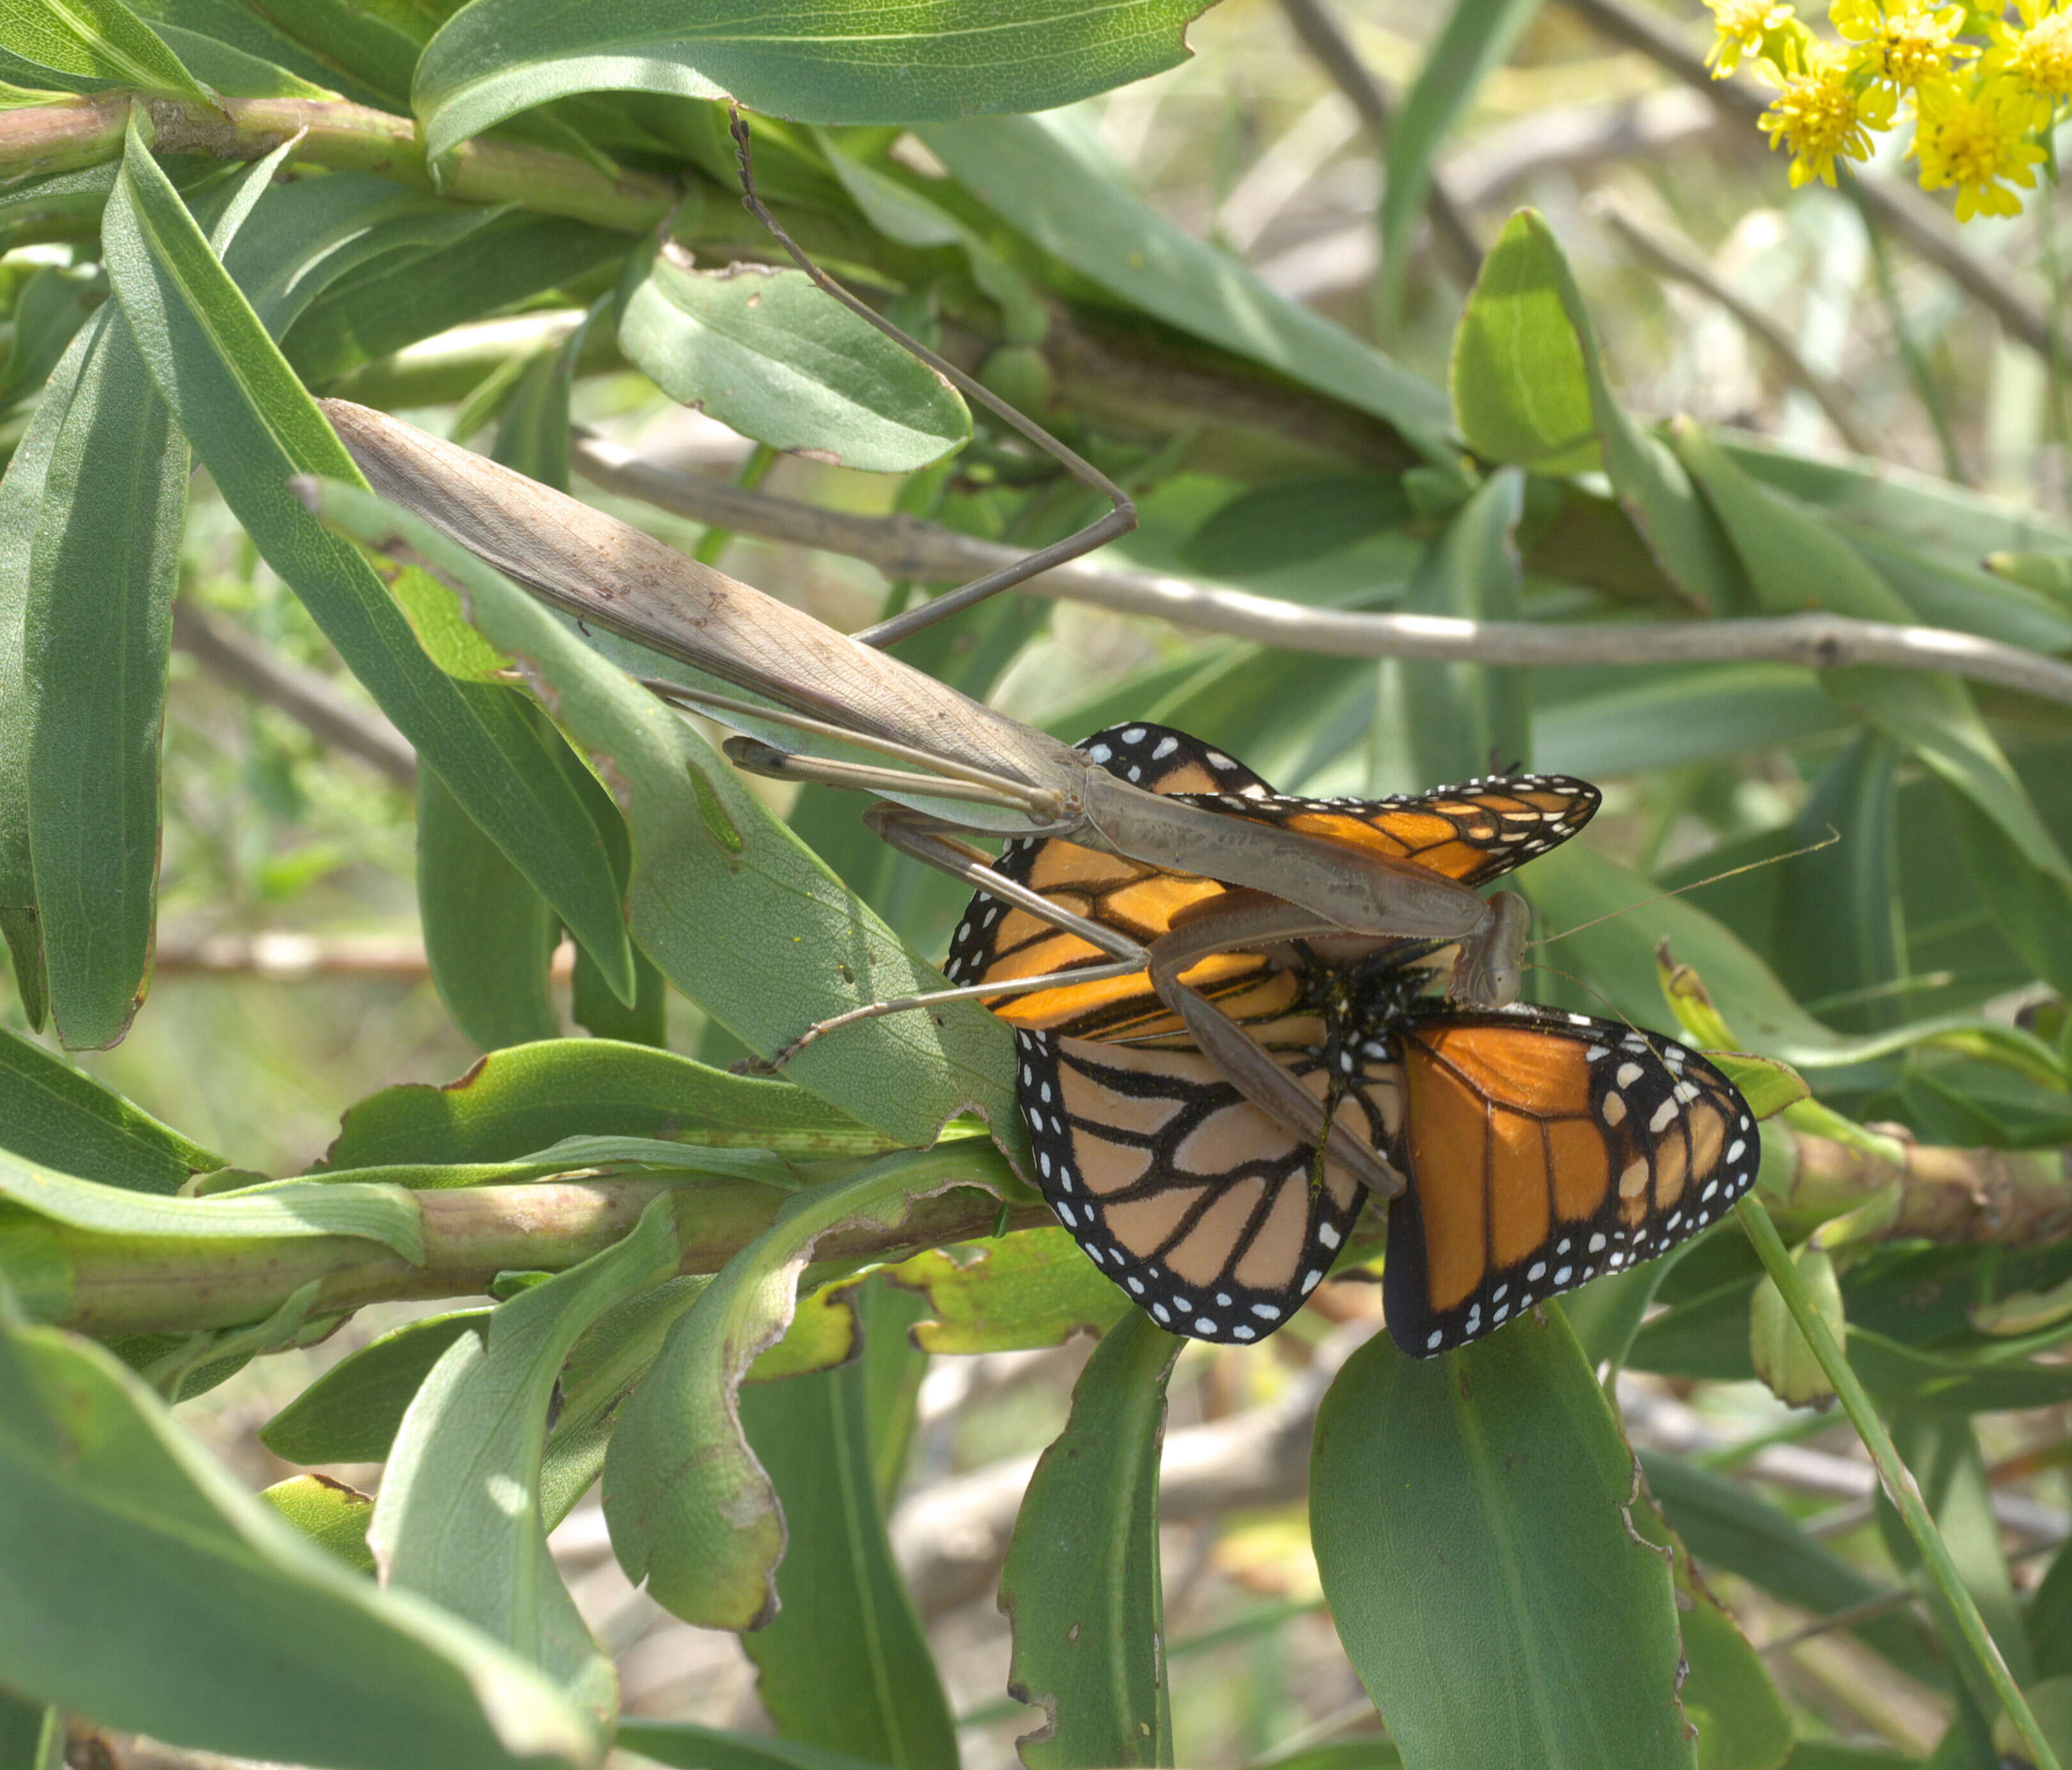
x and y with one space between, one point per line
1540 1149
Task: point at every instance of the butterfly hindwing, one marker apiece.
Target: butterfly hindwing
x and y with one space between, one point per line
1543 1150
1208 1212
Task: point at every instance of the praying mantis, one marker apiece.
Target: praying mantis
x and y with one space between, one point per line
966 768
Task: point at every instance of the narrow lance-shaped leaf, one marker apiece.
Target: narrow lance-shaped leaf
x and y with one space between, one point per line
691 1510
254 428
1049 178
1839 927
514 1102
138 1569
458 1517
22 504
1793 562
94 40
845 1665
488 935
1475 39
55 1115
97 638
1471 1519
869 62
1081 1587
1444 721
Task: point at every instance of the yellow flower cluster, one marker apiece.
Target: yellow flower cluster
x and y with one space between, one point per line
1981 90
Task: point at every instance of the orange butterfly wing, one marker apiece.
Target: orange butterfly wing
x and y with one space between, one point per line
1471 833
1542 1150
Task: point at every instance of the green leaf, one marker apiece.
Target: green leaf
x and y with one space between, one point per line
1573 885
1478 36
844 1664
1081 1585
55 301
488 935
138 1569
1651 483
331 1514
1727 1695
98 40
1942 1384
1943 1454
1731 1528
1284 521
2031 909
2049 1619
1838 926
690 1509
351 1413
458 1518
1597 723
22 504
695 1747
1444 721
723 898
866 62
386 1214
233 72
1471 1519
514 1102
773 357
283 35
253 427
97 635
1794 561
32 1737
1049 178
55 1115
496 261
1030 1289
900 212
1521 389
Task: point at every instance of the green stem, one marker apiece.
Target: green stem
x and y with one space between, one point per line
1898 1481
754 471
107 1285
62 137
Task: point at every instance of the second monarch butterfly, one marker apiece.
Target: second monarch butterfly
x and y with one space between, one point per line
1539 1149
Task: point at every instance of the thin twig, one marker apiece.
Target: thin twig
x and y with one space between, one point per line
1324 39
1486 169
1911 217
1669 259
902 547
234 657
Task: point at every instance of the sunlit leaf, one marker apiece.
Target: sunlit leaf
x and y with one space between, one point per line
773 357
865 63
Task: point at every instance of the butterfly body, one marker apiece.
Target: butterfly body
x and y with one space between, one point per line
1540 1149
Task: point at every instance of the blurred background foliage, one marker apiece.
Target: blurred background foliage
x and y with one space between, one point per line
1867 393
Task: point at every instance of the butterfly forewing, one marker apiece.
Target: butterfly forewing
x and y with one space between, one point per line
1471 833
1202 1207
1544 1150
